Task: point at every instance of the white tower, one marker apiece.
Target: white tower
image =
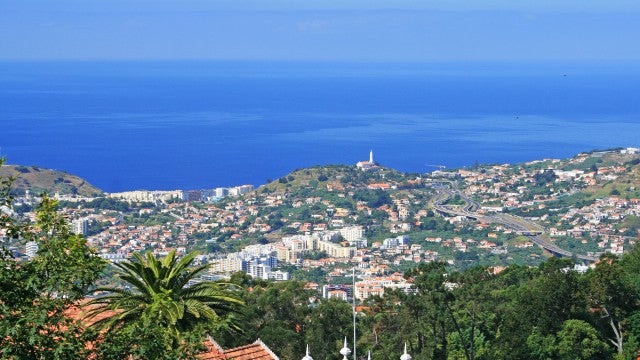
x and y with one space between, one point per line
371 156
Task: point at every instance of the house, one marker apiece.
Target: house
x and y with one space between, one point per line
254 351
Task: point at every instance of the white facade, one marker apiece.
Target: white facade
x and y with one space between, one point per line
31 249
240 190
230 264
80 226
254 263
221 192
395 242
148 196
352 233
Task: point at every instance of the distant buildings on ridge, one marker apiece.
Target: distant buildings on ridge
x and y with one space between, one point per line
183 195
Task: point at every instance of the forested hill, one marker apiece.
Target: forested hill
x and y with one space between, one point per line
38 180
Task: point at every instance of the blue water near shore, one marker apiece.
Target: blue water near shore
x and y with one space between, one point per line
191 125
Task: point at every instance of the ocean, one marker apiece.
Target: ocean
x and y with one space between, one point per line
194 125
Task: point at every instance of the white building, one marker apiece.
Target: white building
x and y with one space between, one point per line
366 165
342 292
232 263
630 150
148 196
352 233
221 192
240 190
114 257
80 226
31 249
254 263
392 243
278 275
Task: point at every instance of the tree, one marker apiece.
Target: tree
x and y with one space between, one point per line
535 304
277 313
579 340
330 322
612 298
431 307
157 293
36 295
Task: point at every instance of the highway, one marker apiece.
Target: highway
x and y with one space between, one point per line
523 227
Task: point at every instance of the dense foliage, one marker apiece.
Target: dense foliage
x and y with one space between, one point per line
36 295
548 312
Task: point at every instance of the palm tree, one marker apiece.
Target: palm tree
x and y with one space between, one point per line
158 291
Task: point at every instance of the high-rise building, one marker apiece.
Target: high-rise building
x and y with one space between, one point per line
221 192
80 226
352 233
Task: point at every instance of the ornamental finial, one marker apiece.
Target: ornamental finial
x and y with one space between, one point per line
405 356
307 357
345 351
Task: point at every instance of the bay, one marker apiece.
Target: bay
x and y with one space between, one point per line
192 125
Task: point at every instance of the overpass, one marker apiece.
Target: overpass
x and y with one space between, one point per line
521 226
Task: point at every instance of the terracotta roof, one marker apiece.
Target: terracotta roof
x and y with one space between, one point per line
80 312
214 351
257 350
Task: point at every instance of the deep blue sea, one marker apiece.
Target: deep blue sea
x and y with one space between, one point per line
192 125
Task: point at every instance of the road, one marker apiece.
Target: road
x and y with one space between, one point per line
524 227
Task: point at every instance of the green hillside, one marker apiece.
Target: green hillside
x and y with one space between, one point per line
38 180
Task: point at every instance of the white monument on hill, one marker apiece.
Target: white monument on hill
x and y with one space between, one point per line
366 165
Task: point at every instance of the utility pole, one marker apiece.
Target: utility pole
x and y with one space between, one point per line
353 298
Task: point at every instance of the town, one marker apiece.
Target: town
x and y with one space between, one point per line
321 223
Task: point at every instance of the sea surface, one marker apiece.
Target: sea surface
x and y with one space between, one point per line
193 125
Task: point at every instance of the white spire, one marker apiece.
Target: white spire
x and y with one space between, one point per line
345 351
307 357
405 356
371 156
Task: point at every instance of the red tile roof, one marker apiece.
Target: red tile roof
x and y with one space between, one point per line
80 312
214 351
255 351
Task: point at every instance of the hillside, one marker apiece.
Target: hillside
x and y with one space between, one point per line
585 205
335 177
38 180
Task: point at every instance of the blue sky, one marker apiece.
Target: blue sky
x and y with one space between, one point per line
328 30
